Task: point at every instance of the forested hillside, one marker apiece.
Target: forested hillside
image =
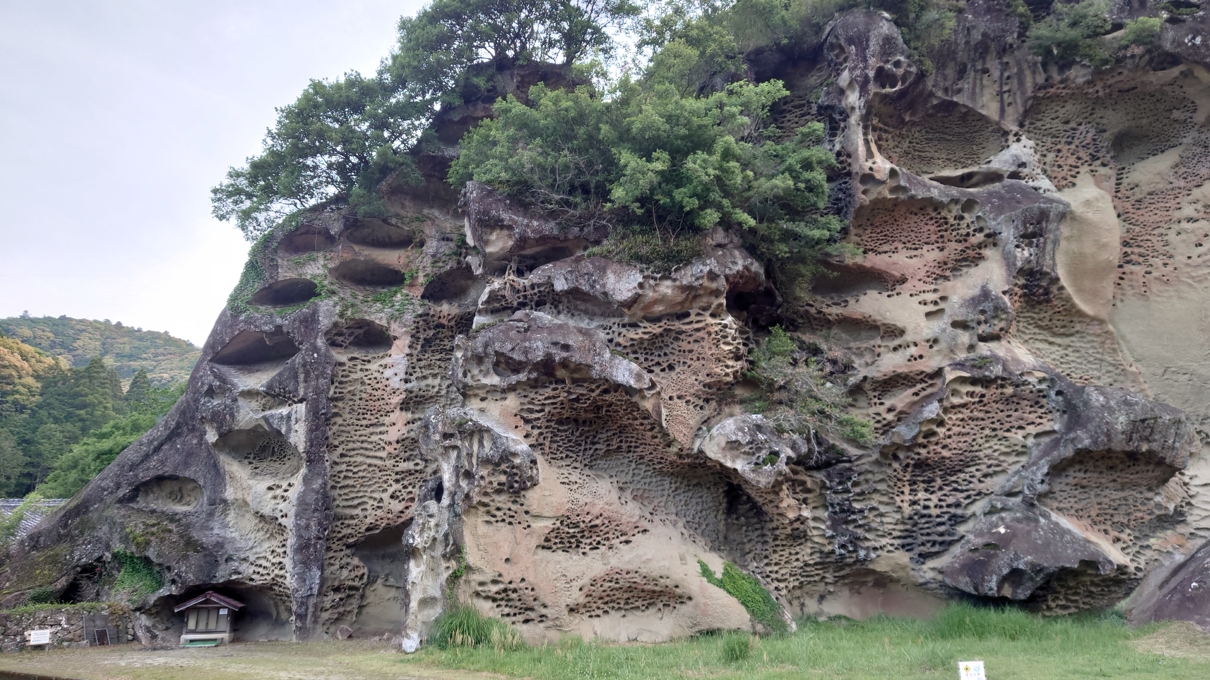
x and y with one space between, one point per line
59 424
165 359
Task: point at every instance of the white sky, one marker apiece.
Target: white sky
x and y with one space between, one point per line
116 118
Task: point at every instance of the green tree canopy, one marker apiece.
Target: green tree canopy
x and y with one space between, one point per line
139 391
439 45
90 455
341 139
666 163
69 405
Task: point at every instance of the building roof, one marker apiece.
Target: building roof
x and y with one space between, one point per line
213 597
34 514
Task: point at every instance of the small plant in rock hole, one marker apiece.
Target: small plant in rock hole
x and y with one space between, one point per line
456 575
800 391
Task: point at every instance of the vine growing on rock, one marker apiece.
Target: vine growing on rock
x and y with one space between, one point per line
138 576
751 594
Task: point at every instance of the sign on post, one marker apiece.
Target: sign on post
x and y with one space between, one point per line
971 670
38 637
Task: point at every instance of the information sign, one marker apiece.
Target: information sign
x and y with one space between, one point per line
971 670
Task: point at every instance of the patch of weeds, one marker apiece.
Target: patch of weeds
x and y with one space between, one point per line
751 594
43 595
464 626
143 533
1180 8
79 606
1021 11
737 647
857 429
484 326
138 577
981 362
988 623
304 259
770 460
638 246
251 279
395 302
800 391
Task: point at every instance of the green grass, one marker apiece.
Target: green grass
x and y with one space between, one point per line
465 627
1011 643
58 606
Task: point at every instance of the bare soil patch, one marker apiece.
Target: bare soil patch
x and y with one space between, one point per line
349 660
1181 639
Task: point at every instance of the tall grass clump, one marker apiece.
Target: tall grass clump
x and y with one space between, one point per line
737 647
464 626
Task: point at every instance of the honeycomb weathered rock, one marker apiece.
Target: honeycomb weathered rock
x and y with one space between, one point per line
556 439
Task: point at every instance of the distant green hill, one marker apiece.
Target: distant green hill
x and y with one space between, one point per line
61 425
167 360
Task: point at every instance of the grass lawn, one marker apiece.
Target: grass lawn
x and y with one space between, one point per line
1011 643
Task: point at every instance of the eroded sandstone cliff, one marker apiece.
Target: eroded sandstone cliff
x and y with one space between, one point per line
456 404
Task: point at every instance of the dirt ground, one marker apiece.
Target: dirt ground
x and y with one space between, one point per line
349 660
1183 639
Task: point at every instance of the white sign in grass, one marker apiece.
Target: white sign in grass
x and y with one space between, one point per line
38 637
971 670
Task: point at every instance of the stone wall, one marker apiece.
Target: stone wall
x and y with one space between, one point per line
70 626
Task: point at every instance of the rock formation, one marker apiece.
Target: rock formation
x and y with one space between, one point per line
457 404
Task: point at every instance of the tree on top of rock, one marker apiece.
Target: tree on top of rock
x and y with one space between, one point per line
439 45
341 139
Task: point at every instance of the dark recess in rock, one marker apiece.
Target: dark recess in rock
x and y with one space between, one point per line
359 335
455 285
306 239
286 293
379 234
166 492
368 273
255 347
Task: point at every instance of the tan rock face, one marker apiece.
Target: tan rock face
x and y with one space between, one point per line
406 419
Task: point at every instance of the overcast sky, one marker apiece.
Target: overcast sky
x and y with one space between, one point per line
116 118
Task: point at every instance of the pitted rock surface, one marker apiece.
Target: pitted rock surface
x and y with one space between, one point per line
404 419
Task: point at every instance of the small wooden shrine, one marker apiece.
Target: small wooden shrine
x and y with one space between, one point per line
208 619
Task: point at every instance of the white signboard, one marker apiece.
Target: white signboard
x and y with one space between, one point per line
971 670
38 637
222 611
